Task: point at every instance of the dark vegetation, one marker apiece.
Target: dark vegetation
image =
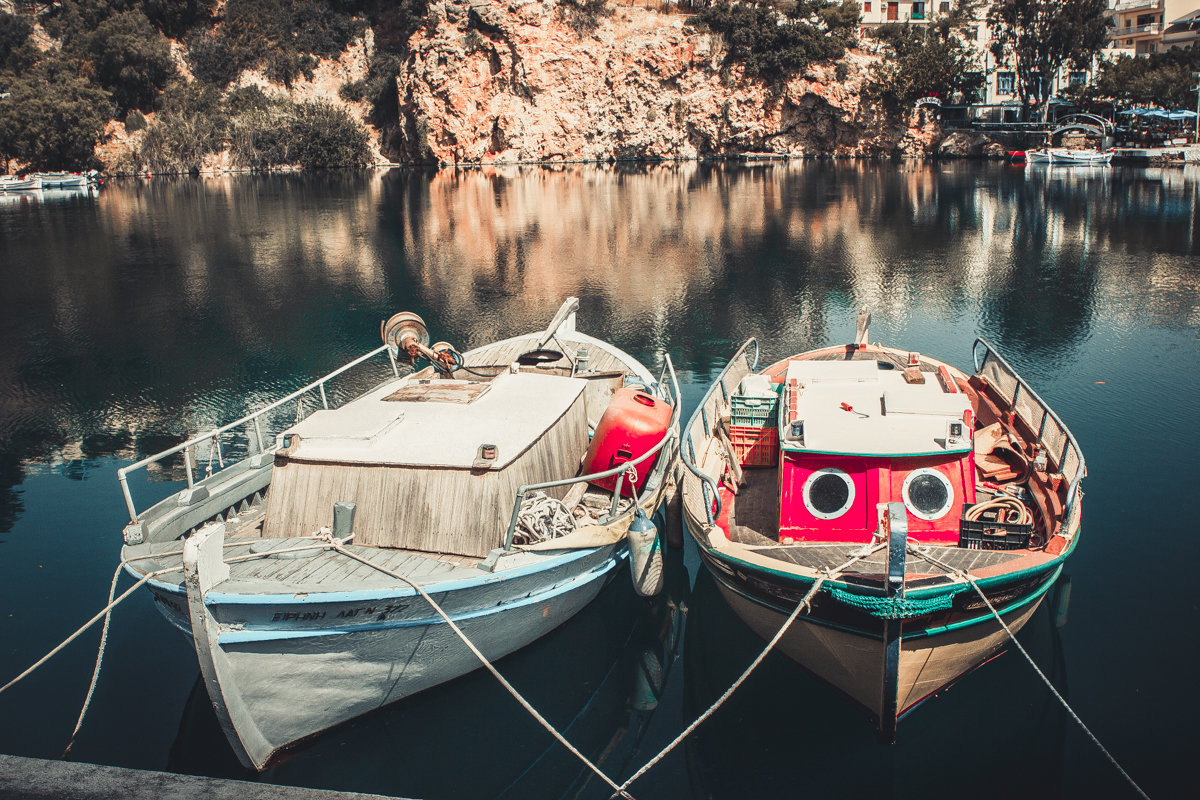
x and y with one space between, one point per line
1159 79
115 63
774 41
1040 36
931 60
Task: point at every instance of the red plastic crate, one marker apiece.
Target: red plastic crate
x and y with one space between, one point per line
755 447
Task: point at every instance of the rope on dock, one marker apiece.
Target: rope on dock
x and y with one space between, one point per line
923 553
618 790
805 603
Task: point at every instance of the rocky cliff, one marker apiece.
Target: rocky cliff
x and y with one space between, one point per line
533 80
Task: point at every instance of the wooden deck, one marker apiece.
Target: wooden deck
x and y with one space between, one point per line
754 519
501 354
311 571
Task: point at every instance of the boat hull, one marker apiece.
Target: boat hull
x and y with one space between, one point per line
278 672
855 663
848 648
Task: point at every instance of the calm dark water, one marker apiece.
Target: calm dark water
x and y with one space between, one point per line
151 312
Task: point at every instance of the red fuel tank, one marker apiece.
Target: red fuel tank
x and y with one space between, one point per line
632 424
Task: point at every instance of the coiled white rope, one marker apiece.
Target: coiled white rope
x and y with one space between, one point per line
923 553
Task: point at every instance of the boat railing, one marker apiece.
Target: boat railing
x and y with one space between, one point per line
668 392
258 440
706 417
1060 445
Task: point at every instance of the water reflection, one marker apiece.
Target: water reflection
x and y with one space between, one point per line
161 307
195 295
156 310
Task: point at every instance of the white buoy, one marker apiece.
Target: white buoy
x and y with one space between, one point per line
645 555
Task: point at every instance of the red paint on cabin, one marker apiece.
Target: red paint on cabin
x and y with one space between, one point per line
876 480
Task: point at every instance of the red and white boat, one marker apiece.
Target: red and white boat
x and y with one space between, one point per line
895 492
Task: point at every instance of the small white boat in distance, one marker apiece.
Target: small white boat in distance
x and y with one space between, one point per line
11 183
64 180
295 570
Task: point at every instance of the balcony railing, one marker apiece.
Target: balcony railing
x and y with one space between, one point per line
1135 30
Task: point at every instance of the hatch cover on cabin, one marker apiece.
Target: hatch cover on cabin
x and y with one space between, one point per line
463 392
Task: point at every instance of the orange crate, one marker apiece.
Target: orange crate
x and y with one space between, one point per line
755 447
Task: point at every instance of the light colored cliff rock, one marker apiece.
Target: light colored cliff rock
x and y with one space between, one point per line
512 80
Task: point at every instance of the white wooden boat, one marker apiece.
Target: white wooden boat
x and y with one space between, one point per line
433 474
1068 156
64 180
911 481
11 183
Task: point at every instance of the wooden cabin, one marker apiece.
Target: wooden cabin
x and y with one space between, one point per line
431 464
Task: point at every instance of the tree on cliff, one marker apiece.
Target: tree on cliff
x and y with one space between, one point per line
52 118
1037 37
14 32
776 41
130 58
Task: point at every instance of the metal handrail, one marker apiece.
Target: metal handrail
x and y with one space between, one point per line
213 434
707 483
525 489
1073 489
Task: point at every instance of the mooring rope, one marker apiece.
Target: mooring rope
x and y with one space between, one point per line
923 553
805 602
103 613
87 701
618 790
106 614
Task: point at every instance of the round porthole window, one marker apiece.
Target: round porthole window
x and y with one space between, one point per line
928 493
828 493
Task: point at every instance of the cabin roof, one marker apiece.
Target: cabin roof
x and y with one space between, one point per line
438 422
890 416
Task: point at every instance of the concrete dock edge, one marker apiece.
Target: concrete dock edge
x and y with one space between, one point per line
34 778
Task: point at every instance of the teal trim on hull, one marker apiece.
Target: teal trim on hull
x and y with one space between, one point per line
1055 566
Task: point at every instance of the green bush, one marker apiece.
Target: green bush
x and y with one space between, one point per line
53 118
775 44
583 16
131 59
14 32
324 135
286 37
135 121
353 91
178 141
211 58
